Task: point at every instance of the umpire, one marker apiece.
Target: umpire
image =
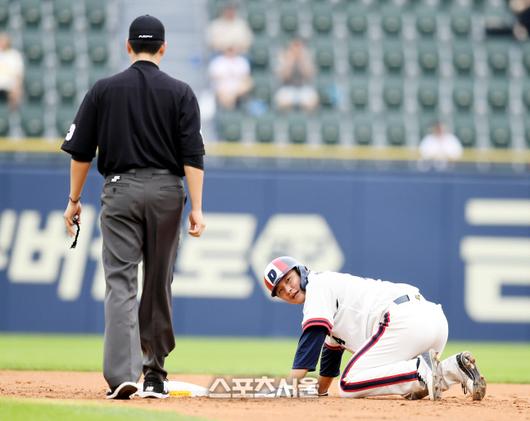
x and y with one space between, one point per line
146 128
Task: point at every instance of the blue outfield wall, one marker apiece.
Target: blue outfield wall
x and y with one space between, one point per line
463 239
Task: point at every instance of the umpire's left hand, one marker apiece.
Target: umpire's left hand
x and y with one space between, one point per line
197 224
73 209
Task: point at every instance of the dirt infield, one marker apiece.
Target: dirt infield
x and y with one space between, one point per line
502 402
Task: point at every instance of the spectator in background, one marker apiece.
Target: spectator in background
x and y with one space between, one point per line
230 77
229 31
11 73
296 71
521 10
439 148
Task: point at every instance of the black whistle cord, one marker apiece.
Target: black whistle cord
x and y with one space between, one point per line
76 223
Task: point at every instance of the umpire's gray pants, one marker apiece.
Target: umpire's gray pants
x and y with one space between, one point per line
140 220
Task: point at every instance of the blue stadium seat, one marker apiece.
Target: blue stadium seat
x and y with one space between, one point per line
4 119
34 85
63 13
229 125
264 129
500 133
31 13
393 93
359 57
32 119
363 129
4 14
297 128
464 129
395 130
428 95
330 129
463 94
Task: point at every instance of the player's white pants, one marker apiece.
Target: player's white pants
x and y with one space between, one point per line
387 363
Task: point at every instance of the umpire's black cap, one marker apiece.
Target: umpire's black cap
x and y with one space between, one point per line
146 28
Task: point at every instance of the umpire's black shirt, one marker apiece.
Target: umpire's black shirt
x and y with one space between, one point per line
138 118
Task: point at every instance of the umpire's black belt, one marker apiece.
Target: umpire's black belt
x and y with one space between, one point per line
148 171
143 172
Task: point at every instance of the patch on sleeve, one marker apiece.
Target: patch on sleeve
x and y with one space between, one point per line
70 133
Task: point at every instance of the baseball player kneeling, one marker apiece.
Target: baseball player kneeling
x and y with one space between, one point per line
393 332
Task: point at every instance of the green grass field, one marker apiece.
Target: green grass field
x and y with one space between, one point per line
33 410
499 362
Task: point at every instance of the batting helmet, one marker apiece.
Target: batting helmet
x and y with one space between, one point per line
278 268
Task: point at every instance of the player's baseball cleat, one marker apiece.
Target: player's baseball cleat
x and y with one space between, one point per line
472 382
430 374
154 388
122 391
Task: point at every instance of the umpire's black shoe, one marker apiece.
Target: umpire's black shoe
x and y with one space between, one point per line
122 391
154 388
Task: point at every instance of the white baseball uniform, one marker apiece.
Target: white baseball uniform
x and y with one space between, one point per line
385 325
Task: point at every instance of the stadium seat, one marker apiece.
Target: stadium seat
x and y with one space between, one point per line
4 120
460 22
359 57
325 56
463 95
526 95
498 96
32 46
327 91
297 129
32 120
288 18
63 119
391 21
330 129
259 54
498 60
362 130
500 133
264 129
393 93
428 57
96 14
357 21
428 95
4 13
393 57
65 48
229 126
526 57
359 94
463 59
33 85
66 86
31 12
322 20
98 50
396 134
257 18
426 22
63 13
262 90
464 129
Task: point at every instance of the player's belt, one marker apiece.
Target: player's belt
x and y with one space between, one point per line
402 299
